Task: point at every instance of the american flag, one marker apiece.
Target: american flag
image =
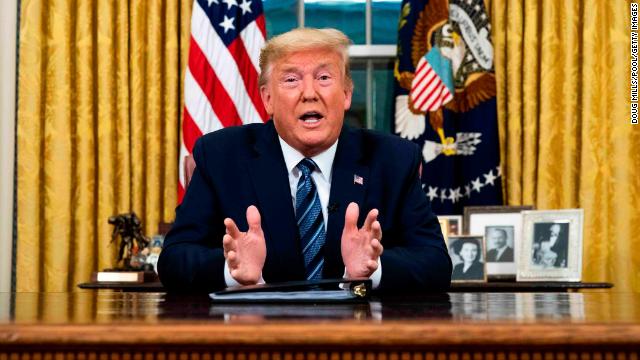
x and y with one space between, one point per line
221 80
357 179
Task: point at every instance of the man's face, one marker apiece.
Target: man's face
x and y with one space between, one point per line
498 239
306 96
555 230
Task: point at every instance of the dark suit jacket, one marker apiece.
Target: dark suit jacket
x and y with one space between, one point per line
507 255
242 166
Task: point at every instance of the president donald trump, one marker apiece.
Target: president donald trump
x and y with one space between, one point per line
304 196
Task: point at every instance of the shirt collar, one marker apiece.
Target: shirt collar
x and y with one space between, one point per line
324 160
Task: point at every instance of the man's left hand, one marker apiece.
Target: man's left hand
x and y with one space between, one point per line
361 248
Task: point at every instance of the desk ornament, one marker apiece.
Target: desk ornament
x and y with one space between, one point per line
133 249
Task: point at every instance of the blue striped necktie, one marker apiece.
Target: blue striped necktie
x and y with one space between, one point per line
310 220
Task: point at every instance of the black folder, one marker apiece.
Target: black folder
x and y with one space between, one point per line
317 291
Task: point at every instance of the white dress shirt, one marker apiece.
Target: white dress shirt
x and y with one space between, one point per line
322 179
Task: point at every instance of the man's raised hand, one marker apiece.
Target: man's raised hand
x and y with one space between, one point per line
245 252
361 247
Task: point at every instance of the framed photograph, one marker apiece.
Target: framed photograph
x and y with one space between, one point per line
501 227
551 248
467 255
450 224
469 211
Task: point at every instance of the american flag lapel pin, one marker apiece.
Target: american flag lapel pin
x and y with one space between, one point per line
357 179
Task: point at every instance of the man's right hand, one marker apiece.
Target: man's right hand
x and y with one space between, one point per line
245 252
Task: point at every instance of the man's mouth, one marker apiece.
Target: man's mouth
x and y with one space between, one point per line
311 117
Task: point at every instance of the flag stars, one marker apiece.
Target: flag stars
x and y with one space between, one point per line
227 23
458 194
245 6
230 3
489 178
433 193
454 195
477 184
443 195
213 2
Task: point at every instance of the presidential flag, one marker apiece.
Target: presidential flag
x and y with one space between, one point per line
445 100
221 80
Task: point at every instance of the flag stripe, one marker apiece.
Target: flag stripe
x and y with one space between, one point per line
210 85
198 106
439 100
249 78
260 22
420 74
253 40
433 97
190 131
424 83
424 96
428 88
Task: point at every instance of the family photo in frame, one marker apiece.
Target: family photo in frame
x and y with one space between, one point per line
468 258
552 246
501 227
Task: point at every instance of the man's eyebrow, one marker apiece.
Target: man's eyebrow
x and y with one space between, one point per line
292 68
323 66
288 69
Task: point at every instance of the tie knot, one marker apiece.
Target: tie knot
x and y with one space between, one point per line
307 166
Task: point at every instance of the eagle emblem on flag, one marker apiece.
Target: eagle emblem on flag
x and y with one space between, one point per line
453 59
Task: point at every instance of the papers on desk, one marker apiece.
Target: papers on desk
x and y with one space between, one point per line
308 295
327 290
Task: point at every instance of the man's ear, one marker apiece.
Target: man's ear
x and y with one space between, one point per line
265 94
348 92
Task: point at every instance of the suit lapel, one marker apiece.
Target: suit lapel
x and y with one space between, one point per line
270 179
346 187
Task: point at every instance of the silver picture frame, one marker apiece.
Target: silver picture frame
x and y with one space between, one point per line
551 248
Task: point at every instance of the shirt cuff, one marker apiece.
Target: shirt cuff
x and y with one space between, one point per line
230 281
375 277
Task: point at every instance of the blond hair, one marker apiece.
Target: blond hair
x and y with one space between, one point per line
302 39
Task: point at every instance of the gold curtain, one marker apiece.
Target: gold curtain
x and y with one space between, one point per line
99 104
563 78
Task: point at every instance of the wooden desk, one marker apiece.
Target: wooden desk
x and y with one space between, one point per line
493 286
108 325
